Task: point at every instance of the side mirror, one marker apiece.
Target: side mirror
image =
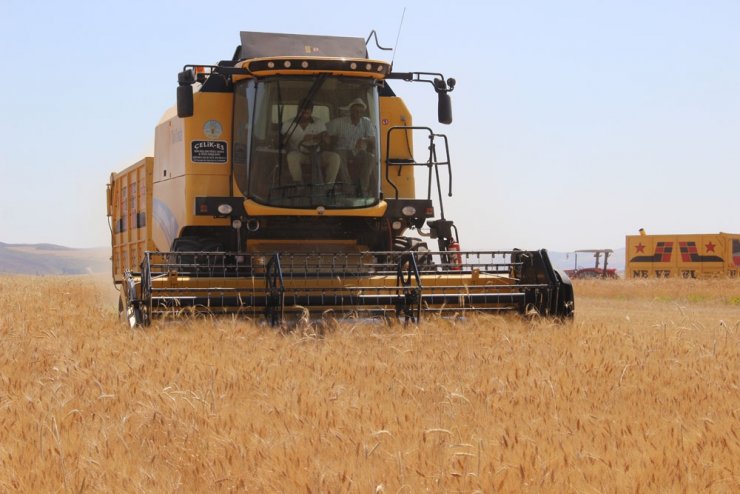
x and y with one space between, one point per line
444 108
184 101
185 80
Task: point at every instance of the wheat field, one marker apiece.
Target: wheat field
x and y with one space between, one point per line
639 394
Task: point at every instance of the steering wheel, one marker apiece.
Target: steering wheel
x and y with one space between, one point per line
309 148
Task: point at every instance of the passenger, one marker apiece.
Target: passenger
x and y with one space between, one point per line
306 136
353 137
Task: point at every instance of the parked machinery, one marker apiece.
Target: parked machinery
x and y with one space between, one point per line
599 269
682 255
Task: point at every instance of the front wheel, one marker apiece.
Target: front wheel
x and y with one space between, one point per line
565 305
130 306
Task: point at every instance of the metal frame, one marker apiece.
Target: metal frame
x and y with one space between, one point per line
284 286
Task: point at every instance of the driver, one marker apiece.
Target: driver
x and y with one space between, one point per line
353 137
306 135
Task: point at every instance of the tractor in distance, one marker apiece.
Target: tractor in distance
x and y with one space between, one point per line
598 270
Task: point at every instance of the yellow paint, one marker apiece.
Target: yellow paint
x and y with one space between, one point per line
257 209
129 211
394 113
682 255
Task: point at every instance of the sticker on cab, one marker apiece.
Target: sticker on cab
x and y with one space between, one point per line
208 152
212 129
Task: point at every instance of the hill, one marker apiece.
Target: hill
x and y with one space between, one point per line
50 259
46 259
565 260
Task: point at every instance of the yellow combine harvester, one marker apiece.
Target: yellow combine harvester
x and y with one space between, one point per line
283 185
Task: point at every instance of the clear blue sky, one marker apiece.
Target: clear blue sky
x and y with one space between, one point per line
576 122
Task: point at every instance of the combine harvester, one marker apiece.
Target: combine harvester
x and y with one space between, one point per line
231 216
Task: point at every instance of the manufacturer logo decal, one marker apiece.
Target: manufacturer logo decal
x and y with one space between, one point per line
212 129
664 251
689 253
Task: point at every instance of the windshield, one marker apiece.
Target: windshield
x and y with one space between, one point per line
310 141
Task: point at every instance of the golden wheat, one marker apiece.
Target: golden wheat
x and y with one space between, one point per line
639 394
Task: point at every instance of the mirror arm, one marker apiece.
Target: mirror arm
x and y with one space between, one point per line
441 86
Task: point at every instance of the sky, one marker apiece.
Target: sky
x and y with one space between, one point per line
575 122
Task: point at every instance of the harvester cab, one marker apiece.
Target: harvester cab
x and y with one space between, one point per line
284 183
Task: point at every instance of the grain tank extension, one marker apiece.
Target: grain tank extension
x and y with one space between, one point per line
283 185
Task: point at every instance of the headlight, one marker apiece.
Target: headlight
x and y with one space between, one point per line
408 211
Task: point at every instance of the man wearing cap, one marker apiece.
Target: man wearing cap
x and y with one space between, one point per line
353 137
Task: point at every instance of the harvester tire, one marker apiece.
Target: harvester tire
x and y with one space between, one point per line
196 244
129 307
565 308
121 307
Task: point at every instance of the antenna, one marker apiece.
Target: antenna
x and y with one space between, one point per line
400 25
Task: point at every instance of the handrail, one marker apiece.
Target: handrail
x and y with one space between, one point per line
432 163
